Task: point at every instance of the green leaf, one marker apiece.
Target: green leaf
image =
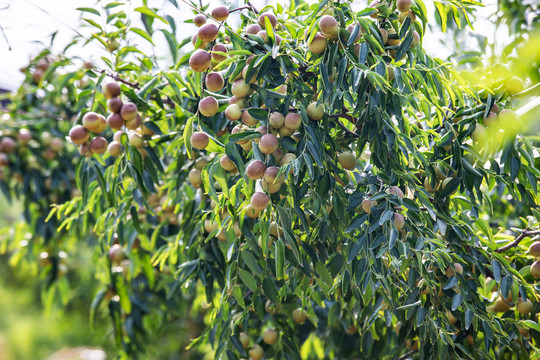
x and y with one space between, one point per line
442 13
270 289
280 258
90 10
248 279
143 34
188 131
147 11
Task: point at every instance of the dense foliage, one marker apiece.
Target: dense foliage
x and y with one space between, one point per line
308 174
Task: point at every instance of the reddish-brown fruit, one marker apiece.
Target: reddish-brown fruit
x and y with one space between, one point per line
135 123
403 5
195 177
396 191
214 81
248 119
4 160
8 145
535 270
255 170
114 148
24 136
208 106
271 17
329 26
102 124
416 38
233 112
114 104
374 5
110 90
91 121
84 149
117 254
367 205
198 43
227 164
259 201
253 29
199 20
399 221
534 249
200 60
129 111
220 48
208 32
277 120
78 135
268 143
221 13
200 140
238 101
293 121
115 121
98 145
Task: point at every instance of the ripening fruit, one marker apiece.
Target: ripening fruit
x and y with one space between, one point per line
8 145
256 352
399 221
299 316
220 48
374 5
248 119
479 133
270 175
227 164
277 120
403 5
318 44
416 38
315 111
240 89
268 143
347 160
445 183
367 205
253 29
292 121
84 149
428 186
110 90
535 270
396 191
136 139
255 170
284 131
508 117
199 20
208 32
244 339
129 111
499 306
195 177
78 135
221 13
286 159
112 44
524 307
523 331
451 318
114 104
24 136
214 81
251 213
238 101
200 60
259 201
350 29
198 43
270 336
57 144
115 121
116 253
199 140
102 124
534 249
514 85
491 119
134 123
233 112
91 121
98 145
329 26
451 271
403 15
271 17
208 106
114 148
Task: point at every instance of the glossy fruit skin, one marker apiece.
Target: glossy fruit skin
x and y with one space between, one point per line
98 145
199 20
318 44
534 249
208 32
399 221
200 60
256 169
256 352
259 201
114 148
220 13
329 26
116 253
535 270
347 160
299 316
208 106
270 336
403 5
200 140
268 143
524 307
315 111
110 90
115 121
78 134
271 17
129 111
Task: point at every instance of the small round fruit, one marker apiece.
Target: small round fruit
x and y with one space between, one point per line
129 111
248 119
251 213
535 270
374 5
428 187
134 123
399 221
451 271
416 38
329 26
253 29
299 316
318 44
514 85
24 136
116 254
523 331
136 139
112 44
91 121
110 90
445 183
8 145
508 117
214 81
220 48
479 133
404 15
200 60
268 143
244 339
491 119
286 159
115 121
221 13
451 318
259 201
347 160
84 149
293 121
238 101
367 205
256 352
200 140
78 135
256 169
57 144
524 307
102 124
227 164
114 148
114 104
315 111
403 5
276 120
198 43
195 177
233 112
270 175
270 336
199 20
271 17
240 89
98 145
208 32
208 106
534 249
396 191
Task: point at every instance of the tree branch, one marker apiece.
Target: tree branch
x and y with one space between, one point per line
407 354
347 130
119 79
523 235
253 8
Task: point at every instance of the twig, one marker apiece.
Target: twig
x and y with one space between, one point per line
407 354
119 79
351 118
347 130
518 239
253 7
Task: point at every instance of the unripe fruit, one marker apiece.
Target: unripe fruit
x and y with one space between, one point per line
240 89
374 5
451 271
286 159
451 318
514 85
399 221
491 119
98 145
114 104
195 177
244 339
278 155
251 213
367 205
112 44
220 48
270 336
403 15
214 81
129 111
277 120
535 270
102 124
238 101
403 5
256 352
195 40
315 111
284 131
233 112
110 90
271 17
508 117
499 306
253 29
116 253
271 188
78 135
221 13
200 140
523 331
259 201
270 175
534 249
199 20
208 32
115 121
318 44
268 143
24 136
428 187
8 145
396 191
227 164
416 38
248 119
255 170
57 144
114 148
299 316
384 35
263 35
208 106
524 307
329 26
135 139
91 121
200 60
135 123
445 183
293 121
146 130
350 29
479 133
118 136
347 160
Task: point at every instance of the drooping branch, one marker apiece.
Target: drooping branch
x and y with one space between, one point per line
123 81
347 130
523 235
